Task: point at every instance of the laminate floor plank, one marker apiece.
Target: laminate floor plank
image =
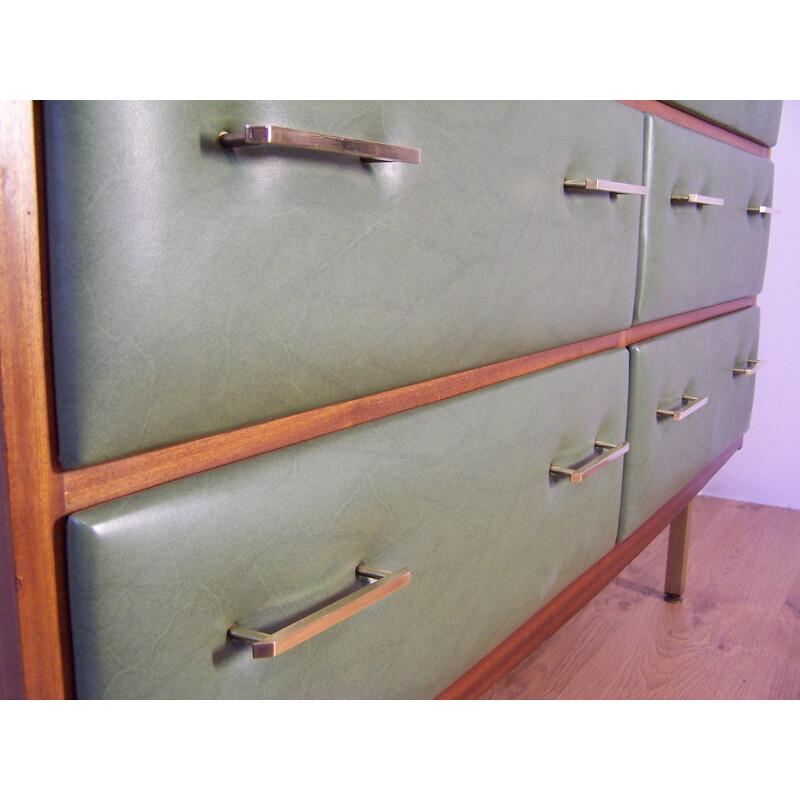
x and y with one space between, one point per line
778 665
735 635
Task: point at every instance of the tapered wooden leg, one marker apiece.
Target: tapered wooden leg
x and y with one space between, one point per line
677 553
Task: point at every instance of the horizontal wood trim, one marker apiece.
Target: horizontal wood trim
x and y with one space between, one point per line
524 641
91 485
102 482
686 120
647 330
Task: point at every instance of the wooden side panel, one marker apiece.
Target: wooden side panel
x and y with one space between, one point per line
35 492
11 681
546 622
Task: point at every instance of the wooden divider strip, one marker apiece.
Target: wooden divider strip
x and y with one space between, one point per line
540 627
98 483
647 330
91 485
699 125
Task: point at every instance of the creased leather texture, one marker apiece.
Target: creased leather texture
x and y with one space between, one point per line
458 491
197 290
689 256
756 119
666 454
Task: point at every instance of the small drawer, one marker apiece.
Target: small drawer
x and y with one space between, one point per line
759 120
198 289
701 241
689 402
461 492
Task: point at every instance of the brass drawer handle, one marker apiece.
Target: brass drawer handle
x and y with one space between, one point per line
698 199
748 369
692 405
762 210
321 142
614 451
596 185
269 645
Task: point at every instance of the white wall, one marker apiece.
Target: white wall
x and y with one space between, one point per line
767 469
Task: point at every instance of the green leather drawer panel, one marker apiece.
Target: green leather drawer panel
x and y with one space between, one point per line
458 491
755 119
698 361
197 290
694 256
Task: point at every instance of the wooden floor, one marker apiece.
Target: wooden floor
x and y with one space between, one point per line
736 635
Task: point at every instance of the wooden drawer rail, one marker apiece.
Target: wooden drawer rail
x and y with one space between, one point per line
89 486
686 120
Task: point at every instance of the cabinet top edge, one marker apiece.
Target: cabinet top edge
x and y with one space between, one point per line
686 120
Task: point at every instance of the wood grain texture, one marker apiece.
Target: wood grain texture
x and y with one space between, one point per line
776 671
12 686
35 499
686 120
96 484
736 635
527 638
647 330
91 485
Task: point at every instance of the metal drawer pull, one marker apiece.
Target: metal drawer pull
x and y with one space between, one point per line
269 645
763 210
615 451
698 199
321 142
595 185
692 405
749 370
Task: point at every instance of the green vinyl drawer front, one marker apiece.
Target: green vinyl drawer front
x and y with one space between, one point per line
197 288
700 243
701 370
460 492
756 119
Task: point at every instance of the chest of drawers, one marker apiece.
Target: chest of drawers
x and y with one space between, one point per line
271 365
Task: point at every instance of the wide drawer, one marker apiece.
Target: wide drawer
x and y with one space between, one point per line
460 492
756 119
690 373
705 222
197 289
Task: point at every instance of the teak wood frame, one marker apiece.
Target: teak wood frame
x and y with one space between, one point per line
36 495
